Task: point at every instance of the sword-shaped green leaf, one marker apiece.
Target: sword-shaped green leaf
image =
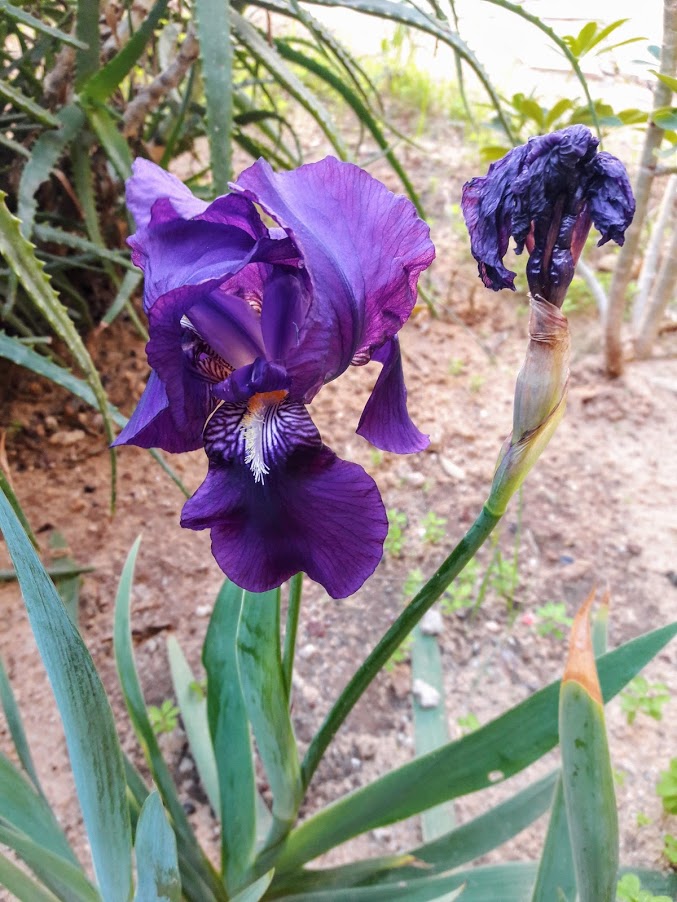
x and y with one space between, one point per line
196 870
494 752
193 704
16 730
23 887
587 777
431 729
93 747
265 697
62 877
157 867
229 730
26 810
477 837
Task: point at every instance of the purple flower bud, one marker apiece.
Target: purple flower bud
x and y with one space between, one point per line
546 194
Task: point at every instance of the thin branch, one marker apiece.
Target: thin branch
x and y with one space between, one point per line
149 97
647 168
652 255
663 292
587 273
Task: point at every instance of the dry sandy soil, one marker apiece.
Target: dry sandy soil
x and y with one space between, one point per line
600 507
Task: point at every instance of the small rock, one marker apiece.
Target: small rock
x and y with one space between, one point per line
492 627
410 477
366 747
307 651
355 763
452 470
432 623
67 437
381 834
426 695
185 766
203 610
399 680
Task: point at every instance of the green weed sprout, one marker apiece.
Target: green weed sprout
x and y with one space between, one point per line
552 620
397 523
645 697
629 889
667 787
164 719
468 723
461 593
400 655
670 849
434 528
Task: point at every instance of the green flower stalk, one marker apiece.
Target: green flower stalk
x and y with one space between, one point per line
540 401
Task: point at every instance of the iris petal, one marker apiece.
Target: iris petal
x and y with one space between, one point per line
316 514
150 182
385 421
363 249
152 425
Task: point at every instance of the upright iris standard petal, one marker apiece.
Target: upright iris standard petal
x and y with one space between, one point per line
363 248
545 194
385 420
149 183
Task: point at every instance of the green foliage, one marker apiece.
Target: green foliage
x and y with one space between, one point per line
434 528
400 655
165 718
413 583
592 35
243 661
670 849
397 523
667 787
468 723
461 593
553 620
642 819
645 697
629 889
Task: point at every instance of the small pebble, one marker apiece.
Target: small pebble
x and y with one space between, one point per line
426 695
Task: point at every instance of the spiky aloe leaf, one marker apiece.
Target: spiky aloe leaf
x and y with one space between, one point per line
20 255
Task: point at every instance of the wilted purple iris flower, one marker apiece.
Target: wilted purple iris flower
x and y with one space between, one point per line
546 194
246 324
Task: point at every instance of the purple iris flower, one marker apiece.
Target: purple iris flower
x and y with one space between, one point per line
546 194
246 324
